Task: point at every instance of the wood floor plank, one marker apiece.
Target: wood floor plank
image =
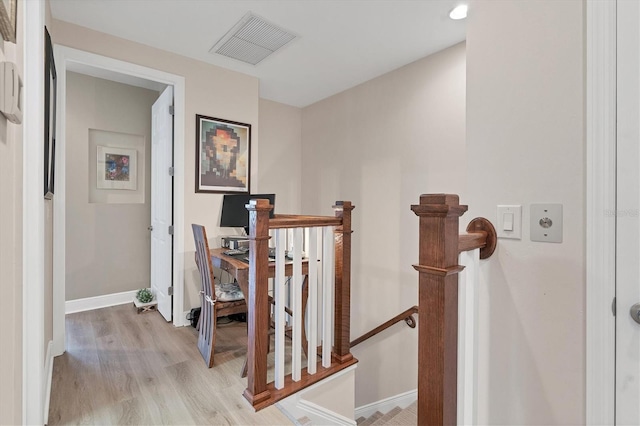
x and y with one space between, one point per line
125 368
156 390
84 384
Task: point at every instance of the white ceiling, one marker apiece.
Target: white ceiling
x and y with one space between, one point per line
341 43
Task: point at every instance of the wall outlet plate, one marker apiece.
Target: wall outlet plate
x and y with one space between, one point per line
546 223
509 222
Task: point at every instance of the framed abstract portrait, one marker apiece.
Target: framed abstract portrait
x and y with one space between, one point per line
223 150
117 168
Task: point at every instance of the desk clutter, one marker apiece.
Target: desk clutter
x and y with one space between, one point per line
242 253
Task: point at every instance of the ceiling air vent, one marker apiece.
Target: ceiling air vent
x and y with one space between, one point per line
251 40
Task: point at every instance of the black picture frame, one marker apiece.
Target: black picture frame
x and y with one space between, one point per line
50 99
223 155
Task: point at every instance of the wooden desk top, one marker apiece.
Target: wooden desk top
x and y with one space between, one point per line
218 253
240 269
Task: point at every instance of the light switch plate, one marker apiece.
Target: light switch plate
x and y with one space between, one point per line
546 223
509 217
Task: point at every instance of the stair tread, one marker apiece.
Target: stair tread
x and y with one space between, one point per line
407 416
372 418
360 419
413 408
304 421
387 417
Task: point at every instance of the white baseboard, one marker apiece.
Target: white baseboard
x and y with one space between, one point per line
97 302
48 375
402 400
296 406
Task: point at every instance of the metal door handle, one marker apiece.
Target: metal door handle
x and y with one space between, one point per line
635 312
150 228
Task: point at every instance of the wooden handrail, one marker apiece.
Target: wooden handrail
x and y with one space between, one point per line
296 221
407 316
439 247
480 235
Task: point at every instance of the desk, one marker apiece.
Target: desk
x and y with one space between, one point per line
239 269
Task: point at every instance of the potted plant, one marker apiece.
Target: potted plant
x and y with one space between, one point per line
144 301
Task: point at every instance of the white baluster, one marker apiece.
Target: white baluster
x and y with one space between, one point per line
279 297
328 278
312 303
468 281
296 306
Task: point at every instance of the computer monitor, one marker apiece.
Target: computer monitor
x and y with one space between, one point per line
235 214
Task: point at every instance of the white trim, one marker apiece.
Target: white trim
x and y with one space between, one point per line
468 281
327 416
59 215
48 376
601 205
66 57
295 406
33 20
179 93
98 302
402 400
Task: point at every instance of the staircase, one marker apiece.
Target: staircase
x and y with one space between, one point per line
397 416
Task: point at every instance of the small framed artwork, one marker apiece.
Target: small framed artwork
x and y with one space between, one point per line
8 13
50 99
223 150
117 168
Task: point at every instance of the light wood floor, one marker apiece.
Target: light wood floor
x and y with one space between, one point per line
124 368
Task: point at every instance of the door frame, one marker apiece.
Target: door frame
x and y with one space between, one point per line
601 33
64 56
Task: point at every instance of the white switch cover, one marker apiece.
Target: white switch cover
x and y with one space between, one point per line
546 223
509 222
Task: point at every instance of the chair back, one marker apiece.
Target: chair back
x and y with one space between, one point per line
207 294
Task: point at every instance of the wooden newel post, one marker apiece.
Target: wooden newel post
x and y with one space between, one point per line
342 303
258 302
438 308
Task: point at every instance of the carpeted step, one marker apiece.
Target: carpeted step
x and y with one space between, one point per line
406 417
372 418
384 420
361 419
304 421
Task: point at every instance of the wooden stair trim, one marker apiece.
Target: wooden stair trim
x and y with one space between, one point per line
291 387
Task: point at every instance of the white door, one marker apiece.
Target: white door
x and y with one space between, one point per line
161 201
627 218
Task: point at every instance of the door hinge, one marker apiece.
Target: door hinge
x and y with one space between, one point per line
170 291
171 171
170 229
171 110
613 307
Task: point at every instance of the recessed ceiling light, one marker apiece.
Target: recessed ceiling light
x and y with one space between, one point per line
459 12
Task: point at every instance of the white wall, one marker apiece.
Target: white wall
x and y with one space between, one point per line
525 144
107 241
280 156
381 145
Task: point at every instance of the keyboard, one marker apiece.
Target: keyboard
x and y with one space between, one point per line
234 252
